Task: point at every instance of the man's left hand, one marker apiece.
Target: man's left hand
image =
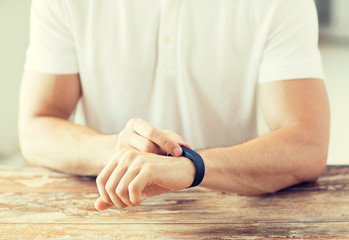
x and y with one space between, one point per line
136 176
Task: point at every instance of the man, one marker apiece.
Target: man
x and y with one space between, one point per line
193 67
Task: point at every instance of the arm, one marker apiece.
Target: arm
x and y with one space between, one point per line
297 112
295 150
49 139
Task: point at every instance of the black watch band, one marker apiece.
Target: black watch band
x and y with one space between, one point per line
198 162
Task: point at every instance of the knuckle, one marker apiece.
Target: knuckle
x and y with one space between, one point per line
122 134
133 188
100 181
137 164
130 123
130 155
122 163
124 137
148 169
167 131
149 148
127 157
152 133
120 191
110 189
133 121
135 201
166 144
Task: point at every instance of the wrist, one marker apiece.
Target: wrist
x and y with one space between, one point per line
198 162
106 147
189 168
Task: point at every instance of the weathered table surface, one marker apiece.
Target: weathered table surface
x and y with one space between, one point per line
37 203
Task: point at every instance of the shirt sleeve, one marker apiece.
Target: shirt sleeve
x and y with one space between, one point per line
291 50
51 45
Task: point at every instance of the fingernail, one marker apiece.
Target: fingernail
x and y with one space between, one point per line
177 151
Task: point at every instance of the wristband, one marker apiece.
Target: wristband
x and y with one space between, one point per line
198 162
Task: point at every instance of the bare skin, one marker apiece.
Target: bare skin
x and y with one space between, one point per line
49 139
131 166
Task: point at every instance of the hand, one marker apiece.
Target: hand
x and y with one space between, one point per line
140 135
134 176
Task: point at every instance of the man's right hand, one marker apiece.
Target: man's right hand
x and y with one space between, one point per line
142 136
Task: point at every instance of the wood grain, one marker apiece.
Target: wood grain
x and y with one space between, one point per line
176 231
37 203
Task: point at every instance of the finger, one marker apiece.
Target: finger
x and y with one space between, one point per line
102 179
111 185
136 188
155 135
100 205
123 138
122 189
177 138
144 145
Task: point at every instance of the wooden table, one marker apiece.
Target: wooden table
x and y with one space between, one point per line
36 203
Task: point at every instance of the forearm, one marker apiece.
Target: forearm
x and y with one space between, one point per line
266 164
64 146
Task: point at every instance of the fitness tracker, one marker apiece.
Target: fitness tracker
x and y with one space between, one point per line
198 162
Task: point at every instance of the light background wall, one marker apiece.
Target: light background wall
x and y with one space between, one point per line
14 18
339 19
14 29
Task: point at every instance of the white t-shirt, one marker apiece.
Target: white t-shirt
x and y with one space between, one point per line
192 66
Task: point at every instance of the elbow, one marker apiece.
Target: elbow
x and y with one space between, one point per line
28 154
26 151
311 166
27 142
315 160
316 165
311 154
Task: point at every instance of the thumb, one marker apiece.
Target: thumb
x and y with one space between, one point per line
100 205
